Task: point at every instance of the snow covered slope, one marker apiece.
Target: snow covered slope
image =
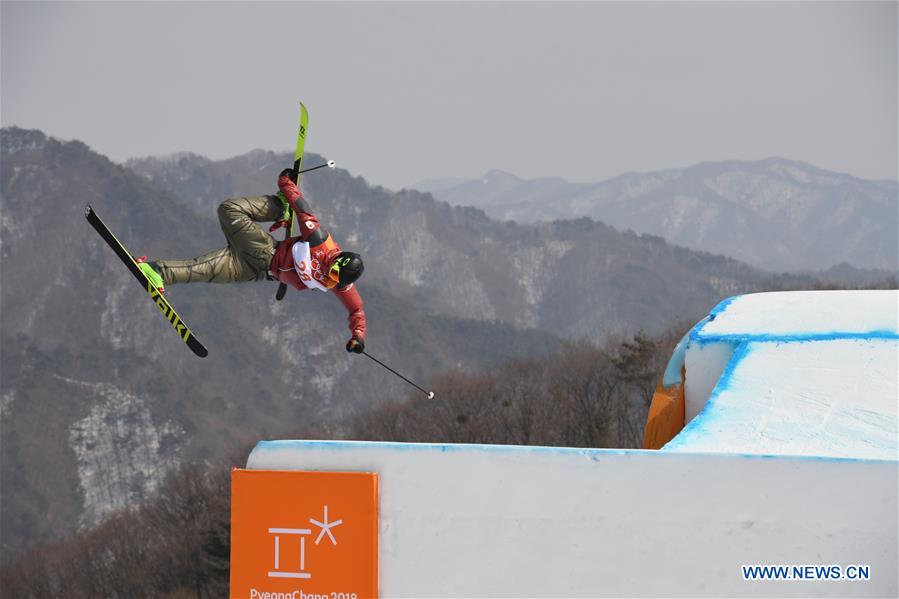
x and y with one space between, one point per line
812 373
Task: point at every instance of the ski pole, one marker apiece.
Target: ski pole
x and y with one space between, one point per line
430 394
329 164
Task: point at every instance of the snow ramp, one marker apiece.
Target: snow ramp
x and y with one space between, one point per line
776 477
810 373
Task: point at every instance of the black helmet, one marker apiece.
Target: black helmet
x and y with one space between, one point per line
346 268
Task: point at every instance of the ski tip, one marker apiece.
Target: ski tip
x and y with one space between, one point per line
88 210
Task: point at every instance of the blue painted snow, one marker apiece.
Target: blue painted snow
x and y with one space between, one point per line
299 447
306 445
701 338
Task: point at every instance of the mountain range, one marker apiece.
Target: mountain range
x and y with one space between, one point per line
776 214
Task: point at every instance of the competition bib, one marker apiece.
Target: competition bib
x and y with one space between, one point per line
306 266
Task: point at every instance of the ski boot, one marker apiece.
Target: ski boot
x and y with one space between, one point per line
285 214
150 271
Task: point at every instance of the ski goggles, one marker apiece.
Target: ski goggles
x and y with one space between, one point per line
334 271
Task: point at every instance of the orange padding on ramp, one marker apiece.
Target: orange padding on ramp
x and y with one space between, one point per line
666 415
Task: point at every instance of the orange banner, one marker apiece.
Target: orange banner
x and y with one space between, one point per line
304 535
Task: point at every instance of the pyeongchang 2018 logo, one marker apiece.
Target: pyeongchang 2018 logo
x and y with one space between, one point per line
298 536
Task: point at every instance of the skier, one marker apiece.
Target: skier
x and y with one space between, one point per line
311 261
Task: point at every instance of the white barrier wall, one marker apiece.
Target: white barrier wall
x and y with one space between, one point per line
491 521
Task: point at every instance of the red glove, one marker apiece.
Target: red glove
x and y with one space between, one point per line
288 187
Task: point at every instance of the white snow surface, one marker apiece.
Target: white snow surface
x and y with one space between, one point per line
795 314
834 398
811 373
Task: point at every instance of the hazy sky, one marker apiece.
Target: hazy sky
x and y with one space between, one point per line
400 92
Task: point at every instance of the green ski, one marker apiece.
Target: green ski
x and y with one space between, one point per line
297 163
179 325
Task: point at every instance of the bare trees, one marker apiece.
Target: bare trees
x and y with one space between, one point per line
175 545
584 397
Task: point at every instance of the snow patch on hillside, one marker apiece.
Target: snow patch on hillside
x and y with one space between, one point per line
419 257
530 264
122 456
6 401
